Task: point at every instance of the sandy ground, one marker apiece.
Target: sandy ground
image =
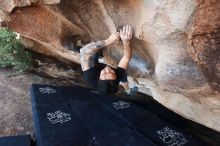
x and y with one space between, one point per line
15 105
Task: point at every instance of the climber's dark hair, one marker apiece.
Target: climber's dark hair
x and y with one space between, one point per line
107 86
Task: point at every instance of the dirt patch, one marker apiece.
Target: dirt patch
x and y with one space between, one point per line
15 105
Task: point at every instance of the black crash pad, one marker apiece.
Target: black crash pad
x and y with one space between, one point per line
147 122
80 116
21 140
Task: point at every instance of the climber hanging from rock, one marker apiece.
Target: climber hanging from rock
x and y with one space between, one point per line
102 76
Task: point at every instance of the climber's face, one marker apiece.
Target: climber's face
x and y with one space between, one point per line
107 74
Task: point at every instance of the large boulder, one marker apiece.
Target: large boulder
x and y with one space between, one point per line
175 45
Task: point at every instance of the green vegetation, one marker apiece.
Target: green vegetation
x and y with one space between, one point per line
12 53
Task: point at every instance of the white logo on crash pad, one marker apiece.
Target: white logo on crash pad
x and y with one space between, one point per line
121 105
171 137
58 117
47 90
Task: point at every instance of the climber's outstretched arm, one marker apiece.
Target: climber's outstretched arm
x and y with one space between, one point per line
126 36
90 49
